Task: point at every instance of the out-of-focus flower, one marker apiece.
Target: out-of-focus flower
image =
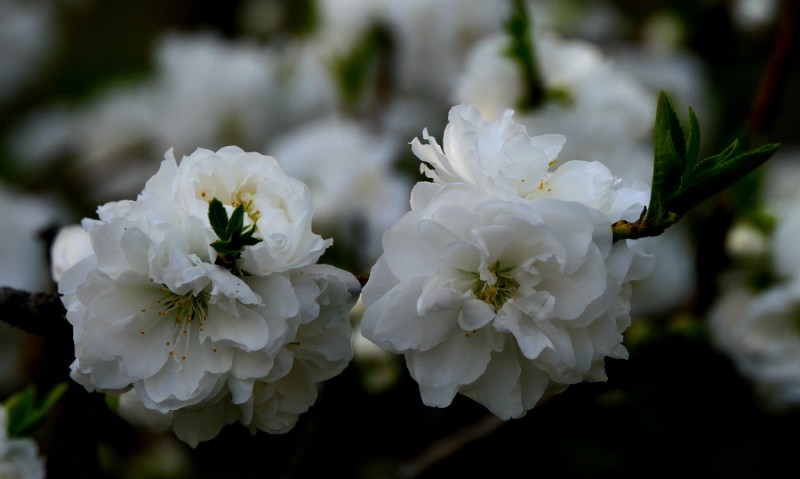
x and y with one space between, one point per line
754 321
205 90
28 34
673 265
23 258
498 295
348 169
433 39
19 457
759 332
71 245
605 113
746 242
754 14
152 311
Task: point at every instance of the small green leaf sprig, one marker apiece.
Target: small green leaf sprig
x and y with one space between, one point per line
233 235
25 413
681 181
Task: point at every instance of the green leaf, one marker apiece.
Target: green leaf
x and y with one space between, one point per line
236 222
718 173
232 234
225 249
669 158
692 141
362 65
712 162
218 218
520 49
24 414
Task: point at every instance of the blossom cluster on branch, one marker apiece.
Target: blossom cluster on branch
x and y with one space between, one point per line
503 282
202 342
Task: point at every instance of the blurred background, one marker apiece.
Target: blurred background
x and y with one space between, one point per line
93 93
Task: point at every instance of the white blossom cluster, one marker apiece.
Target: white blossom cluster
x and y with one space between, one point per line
153 314
757 327
503 282
19 457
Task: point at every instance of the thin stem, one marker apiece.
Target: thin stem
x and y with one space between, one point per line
773 81
642 228
522 51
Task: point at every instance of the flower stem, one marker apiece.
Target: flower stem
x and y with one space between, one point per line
643 227
522 51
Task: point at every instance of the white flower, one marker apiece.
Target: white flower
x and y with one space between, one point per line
152 311
318 351
502 158
759 332
19 457
499 300
280 206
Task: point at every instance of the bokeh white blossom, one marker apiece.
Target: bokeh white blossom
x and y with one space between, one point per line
350 171
19 457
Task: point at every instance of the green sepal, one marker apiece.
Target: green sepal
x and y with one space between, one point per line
235 223
24 415
218 218
233 235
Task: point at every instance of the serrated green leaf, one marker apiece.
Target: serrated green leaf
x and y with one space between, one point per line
708 164
719 175
692 141
669 158
676 134
249 240
218 218
236 222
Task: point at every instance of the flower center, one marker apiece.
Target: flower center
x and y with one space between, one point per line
246 200
186 310
500 288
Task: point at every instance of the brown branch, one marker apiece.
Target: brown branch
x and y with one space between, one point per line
37 313
448 446
773 81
